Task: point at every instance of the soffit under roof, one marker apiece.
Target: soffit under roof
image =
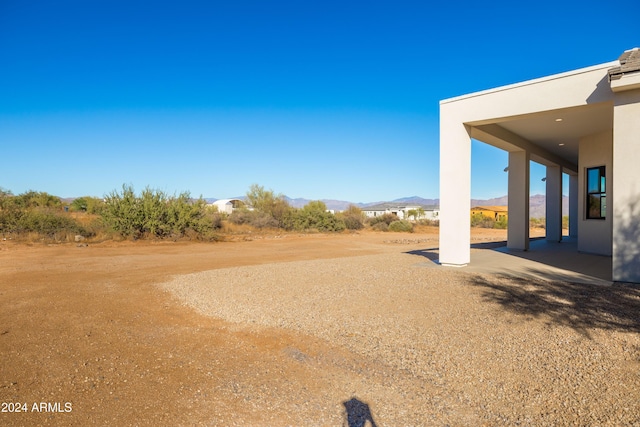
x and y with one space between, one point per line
561 137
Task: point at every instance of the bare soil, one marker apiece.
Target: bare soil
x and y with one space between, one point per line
112 334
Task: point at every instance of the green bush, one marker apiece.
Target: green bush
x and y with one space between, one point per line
501 224
268 203
387 218
90 205
50 223
241 216
253 218
353 218
35 199
416 214
380 226
123 212
314 216
482 221
401 226
36 212
155 214
537 222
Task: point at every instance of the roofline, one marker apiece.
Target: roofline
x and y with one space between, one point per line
606 65
227 201
383 207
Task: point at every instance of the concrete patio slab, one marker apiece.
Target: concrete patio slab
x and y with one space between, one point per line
557 261
553 261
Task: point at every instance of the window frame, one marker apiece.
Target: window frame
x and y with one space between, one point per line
596 191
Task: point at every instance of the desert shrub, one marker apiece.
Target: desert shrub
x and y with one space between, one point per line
155 214
241 216
352 223
401 226
36 213
90 205
537 222
95 227
429 222
47 222
565 222
387 218
380 226
123 212
416 214
186 217
314 216
79 205
353 218
253 218
264 220
260 199
482 221
28 200
501 224
6 196
274 205
36 199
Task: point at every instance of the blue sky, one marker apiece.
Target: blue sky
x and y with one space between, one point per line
315 99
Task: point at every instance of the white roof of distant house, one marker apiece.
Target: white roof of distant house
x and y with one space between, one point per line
392 206
225 201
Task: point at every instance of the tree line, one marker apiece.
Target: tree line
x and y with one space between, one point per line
156 214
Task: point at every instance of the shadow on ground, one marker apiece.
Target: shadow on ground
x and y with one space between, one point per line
579 306
433 255
358 413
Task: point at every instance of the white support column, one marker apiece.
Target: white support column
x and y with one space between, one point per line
573 205
455 193
553 202
519 176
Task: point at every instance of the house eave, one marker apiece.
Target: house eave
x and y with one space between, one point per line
606 65
625 81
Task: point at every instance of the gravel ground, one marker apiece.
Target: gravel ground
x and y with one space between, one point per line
418 345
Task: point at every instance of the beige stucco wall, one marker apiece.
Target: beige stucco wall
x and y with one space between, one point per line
595 234
626 158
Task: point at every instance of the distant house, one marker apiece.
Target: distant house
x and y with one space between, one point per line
496 213
228 205
401 211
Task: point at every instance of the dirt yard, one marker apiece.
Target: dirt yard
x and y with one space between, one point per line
305 330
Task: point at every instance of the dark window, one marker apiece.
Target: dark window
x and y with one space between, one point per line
596 193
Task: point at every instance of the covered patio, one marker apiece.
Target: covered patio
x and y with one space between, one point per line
580 123
554 261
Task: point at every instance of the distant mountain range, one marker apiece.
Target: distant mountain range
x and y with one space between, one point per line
536 203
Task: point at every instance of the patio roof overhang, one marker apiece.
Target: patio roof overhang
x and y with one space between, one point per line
552 137
543 120
586 118
525 117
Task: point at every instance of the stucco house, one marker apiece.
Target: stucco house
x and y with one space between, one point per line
496 213
583 123
401 211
